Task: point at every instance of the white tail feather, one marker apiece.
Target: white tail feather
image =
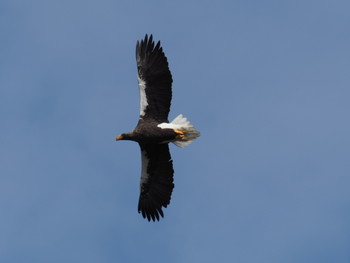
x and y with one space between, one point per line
181 123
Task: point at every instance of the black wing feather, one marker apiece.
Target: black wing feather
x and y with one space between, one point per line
153 68
157 185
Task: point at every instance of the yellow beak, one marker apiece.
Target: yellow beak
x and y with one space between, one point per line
119 138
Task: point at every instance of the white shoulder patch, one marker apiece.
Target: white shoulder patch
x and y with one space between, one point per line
165 125
178 123
143 98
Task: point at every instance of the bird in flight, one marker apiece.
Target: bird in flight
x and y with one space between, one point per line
154 131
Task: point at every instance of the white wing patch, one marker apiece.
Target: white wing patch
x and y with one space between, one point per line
143 98
144 165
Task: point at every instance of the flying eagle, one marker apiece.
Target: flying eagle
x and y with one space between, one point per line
153 131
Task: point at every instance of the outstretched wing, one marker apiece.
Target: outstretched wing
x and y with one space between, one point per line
156 183
154 79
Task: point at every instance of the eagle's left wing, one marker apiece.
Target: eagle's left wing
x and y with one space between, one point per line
156 183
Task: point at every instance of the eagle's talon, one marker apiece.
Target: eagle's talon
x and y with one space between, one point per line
180 134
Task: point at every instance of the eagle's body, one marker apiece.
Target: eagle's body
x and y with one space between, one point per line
153 131
148 132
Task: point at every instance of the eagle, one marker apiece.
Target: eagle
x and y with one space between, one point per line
154 132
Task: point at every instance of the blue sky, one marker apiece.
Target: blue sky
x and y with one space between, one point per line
266 83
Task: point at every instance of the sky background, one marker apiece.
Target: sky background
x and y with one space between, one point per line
266 82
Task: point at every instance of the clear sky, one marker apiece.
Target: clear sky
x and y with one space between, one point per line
266 82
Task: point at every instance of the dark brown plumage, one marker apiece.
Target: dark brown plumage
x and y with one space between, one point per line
153 131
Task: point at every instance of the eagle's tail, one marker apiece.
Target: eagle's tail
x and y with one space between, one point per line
187 133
